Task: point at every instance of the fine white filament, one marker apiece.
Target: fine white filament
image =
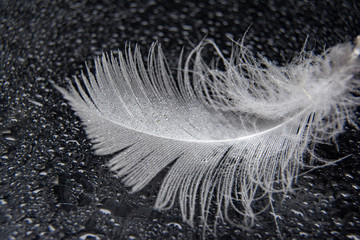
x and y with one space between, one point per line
234 131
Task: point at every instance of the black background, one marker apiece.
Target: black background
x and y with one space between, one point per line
51 184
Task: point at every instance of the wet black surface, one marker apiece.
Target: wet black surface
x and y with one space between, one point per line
51 184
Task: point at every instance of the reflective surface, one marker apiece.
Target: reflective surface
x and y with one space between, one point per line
52 185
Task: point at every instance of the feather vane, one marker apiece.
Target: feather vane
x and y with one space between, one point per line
234 132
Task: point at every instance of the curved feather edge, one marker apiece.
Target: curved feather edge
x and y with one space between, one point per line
235 132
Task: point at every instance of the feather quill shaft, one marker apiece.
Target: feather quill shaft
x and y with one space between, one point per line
235 132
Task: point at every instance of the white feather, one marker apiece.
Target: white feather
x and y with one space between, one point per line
235 132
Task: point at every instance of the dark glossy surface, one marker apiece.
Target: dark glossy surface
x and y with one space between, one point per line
51 184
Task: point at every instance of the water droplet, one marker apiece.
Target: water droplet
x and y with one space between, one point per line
10 138
105 211
353 236
36 103
297 213
304 234
89 235
174 224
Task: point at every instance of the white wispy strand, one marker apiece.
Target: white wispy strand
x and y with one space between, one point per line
235 132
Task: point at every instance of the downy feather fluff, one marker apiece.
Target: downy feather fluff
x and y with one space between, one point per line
233 132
